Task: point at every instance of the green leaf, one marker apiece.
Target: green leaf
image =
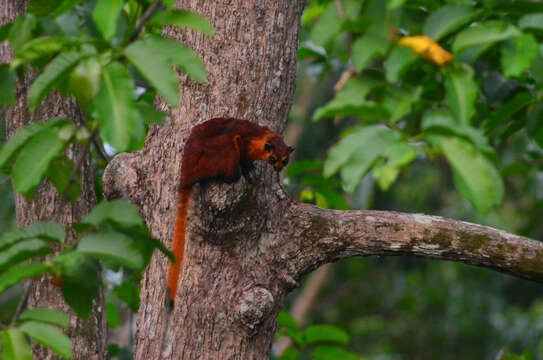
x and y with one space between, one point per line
105 16
17 141
290 354
114 246
321 333
4 31
377 11
321 201
304 166
531 21
537 67
42 8
461 93
84 80
59 174
399 102
21 30
21 251
328 25
364 158
50 316
332 353
534 121
113 320
440 122
398 62
49 336
385 175
57 68
518 54
484 34
333 198
307 195
128 293
538 138
156 69
179 55
400 154
504 113
447 19
118 211
285 320
185 19
14 345
395 156
368 47
169 3
356 153
79 294
7 85
319 180
35 158
65 6
115 106
148 115
17 273
475 176
288 323
340 154
38 48
311 12
351 100
45 230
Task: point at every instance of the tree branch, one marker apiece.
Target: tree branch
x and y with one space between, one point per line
319 236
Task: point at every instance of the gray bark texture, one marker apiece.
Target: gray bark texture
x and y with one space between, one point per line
249 245
89 340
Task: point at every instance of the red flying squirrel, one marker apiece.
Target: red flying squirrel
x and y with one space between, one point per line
220 149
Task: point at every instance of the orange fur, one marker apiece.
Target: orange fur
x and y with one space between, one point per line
178 244
220 149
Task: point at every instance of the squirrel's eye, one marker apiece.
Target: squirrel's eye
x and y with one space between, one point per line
267 147
272 160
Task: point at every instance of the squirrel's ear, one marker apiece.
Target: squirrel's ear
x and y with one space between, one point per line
267 147
291 149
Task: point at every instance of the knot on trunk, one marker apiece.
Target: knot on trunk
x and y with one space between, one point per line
120 180
255 306
226 210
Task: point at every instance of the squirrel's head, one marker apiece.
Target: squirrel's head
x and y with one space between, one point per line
276 152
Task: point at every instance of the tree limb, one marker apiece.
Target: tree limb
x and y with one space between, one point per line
319 236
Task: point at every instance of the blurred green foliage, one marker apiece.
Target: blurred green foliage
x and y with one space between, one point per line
475 125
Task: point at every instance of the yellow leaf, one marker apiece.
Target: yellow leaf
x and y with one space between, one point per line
428 48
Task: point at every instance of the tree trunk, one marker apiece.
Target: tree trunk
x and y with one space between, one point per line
88 337
226 309
249 245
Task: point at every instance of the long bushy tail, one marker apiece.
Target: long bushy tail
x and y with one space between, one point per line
178 244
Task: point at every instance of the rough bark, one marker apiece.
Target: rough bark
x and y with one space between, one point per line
317 236
249 245
89 340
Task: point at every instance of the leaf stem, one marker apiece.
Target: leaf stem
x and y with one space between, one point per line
149 12
100 148
22 305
